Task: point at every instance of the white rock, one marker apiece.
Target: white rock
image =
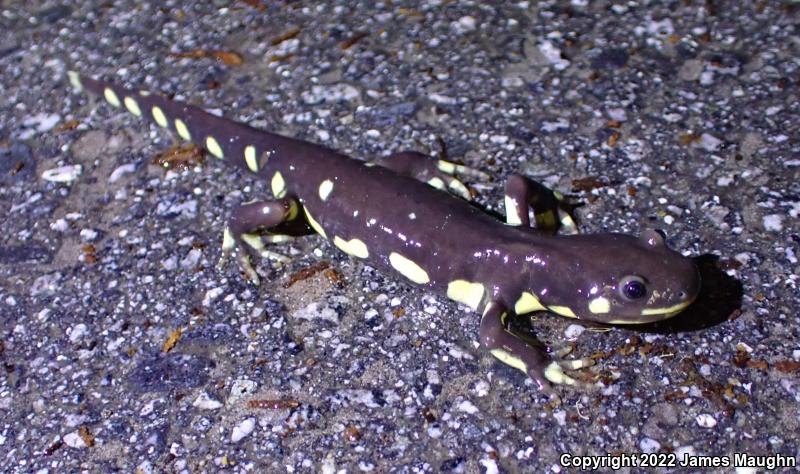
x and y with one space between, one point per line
74 440
573 331
773 222
706 421
649 445
205 402
243 429
63 174
78 332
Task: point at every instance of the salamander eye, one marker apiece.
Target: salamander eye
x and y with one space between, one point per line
633 288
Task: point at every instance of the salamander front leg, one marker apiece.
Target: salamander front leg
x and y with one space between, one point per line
548 206
530 358
240 236
440 174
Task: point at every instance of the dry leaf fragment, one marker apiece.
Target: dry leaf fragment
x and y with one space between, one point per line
787 366
348 43
587 184
69 125
284 36
256 4
173 339
229 58
86 436
306 273
181 157
273 404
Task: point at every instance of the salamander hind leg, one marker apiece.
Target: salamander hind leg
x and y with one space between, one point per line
250 226
440 174
533 359
550 210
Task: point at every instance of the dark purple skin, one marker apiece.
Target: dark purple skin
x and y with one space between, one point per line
449 238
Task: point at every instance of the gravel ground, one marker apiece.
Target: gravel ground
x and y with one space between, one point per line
124 348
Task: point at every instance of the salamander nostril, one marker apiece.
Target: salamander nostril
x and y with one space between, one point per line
682 295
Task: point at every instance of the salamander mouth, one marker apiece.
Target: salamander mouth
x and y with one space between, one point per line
663 313
651 315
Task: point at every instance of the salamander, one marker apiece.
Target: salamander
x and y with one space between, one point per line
410 214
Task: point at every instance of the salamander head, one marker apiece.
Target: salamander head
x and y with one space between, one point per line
621 279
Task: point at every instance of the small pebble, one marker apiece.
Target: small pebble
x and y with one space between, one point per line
243 429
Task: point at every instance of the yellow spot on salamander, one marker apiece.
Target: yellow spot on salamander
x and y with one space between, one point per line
183 130
408 268
111 97
512 212
278 185
437 183
527 303
466 292
563 311
75 80
159 117
228 242
555 374
132 106
144 93
354 247
314 224
446 167
214 148
600 305
459 189
292 212
250 158
325 189
254 241
509 359
546 220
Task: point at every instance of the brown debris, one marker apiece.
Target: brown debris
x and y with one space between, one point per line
229 58
273 404
255 4
587 184
675 396
757 364
86 436
410 12
334 276
53 447
349 42
172 339
630 346
688 139
180 157
712 391
17 168
307 273
352 434
787 366
279 57
89 254
613 139
69 125
285 36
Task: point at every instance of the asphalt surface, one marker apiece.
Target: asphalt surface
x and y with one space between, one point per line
125 349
